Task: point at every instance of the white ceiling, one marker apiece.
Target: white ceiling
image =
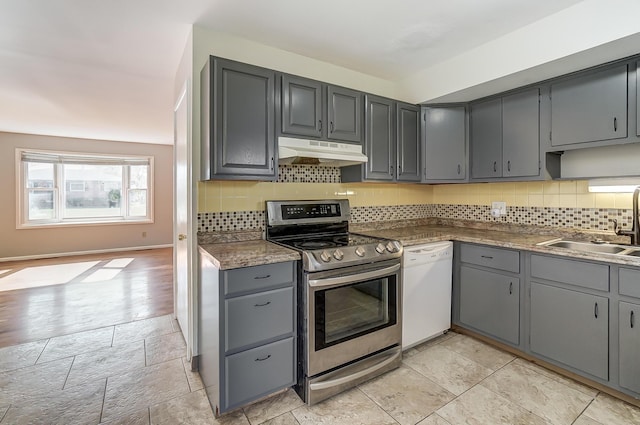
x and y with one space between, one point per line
105 69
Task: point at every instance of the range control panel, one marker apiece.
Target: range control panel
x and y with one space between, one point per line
310 211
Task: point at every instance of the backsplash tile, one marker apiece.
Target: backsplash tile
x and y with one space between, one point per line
308 174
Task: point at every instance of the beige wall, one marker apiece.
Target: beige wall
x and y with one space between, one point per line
225 196
44 242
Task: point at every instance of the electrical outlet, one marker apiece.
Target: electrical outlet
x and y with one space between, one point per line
499 205
144 234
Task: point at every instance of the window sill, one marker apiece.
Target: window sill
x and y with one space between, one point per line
23 226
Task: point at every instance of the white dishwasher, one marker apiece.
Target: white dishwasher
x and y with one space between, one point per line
426 295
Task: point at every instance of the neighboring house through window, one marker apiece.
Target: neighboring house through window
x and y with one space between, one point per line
64 188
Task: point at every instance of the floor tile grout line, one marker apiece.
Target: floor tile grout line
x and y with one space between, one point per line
5 412
66 378
113 335
554 377
184 369
375 403
104 398
585 409
42 352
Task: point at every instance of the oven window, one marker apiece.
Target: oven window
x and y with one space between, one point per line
350 311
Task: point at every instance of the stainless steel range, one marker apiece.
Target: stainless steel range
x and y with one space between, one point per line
349 296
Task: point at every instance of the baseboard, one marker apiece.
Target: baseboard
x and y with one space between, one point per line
97 251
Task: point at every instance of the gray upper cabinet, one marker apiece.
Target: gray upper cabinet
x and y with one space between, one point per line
590 108
444 143
505 136
570 327
238 109
301 106
629 373
344 114
380 139
486 139
408 142
520 134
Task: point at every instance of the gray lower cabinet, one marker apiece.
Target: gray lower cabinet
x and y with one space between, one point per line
571 328
247 332
629 346
490 302
638 98
237 121
589 108
302 106
444 143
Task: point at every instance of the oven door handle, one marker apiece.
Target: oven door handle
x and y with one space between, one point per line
357 277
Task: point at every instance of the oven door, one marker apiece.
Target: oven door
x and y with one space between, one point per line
351 313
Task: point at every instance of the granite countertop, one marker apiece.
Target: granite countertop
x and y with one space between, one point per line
233 255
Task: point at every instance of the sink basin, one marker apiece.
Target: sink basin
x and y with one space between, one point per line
633 253
589 247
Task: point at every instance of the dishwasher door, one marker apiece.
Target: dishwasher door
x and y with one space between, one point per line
426 286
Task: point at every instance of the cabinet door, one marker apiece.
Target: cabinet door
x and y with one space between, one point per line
408 143
490 302
380 141
345 114
486 139
520 134
629 346
570 327
638 98
301 106
444 143
590 108
244 120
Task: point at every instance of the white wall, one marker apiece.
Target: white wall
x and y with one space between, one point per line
52 241
587 34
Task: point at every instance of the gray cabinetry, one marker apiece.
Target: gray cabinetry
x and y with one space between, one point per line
238 109
590 108
629 334
638 98
408 152
570 327
487 291
344 114
486 139
505 136
247 332
301 106
444 143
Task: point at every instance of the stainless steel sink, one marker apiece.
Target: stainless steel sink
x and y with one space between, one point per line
633 253
587 247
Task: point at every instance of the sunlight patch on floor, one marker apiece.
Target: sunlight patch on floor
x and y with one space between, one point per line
32 277
101 275
120 263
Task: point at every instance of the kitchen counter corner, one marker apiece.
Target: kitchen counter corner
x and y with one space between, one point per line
258 252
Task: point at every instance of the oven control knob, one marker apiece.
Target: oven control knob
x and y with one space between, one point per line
360 251
325 256
380 248
338 254
391 247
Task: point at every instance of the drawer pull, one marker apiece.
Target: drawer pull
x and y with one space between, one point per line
488 257
262 305
615 124
510 288
263 359
495 169
320 126
267 276
631 319
595 310
459 169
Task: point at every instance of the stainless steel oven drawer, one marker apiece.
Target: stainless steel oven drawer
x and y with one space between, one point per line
260 317
257 372
258 278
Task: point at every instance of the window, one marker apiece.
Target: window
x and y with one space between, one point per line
59 188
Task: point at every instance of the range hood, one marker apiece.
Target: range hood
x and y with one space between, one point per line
319 152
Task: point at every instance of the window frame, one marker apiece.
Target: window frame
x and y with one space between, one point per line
59 189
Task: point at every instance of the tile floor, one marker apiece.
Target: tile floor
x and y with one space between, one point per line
136 373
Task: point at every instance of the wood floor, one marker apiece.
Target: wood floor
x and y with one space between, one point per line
98 292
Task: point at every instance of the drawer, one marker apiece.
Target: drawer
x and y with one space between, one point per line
258 278
254 318
579 273
257 372
496 258
629 281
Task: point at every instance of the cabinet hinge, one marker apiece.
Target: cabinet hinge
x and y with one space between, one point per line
424 117
549 136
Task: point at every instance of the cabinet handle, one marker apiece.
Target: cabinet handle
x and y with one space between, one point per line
495 166
320 126
595 310
263 359
332 126
459 169
399 169
391 170
615 124
266 276
510 288
263 304
272 161
509 166
488 257
631 319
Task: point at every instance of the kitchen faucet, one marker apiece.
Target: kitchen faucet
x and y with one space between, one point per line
634 233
